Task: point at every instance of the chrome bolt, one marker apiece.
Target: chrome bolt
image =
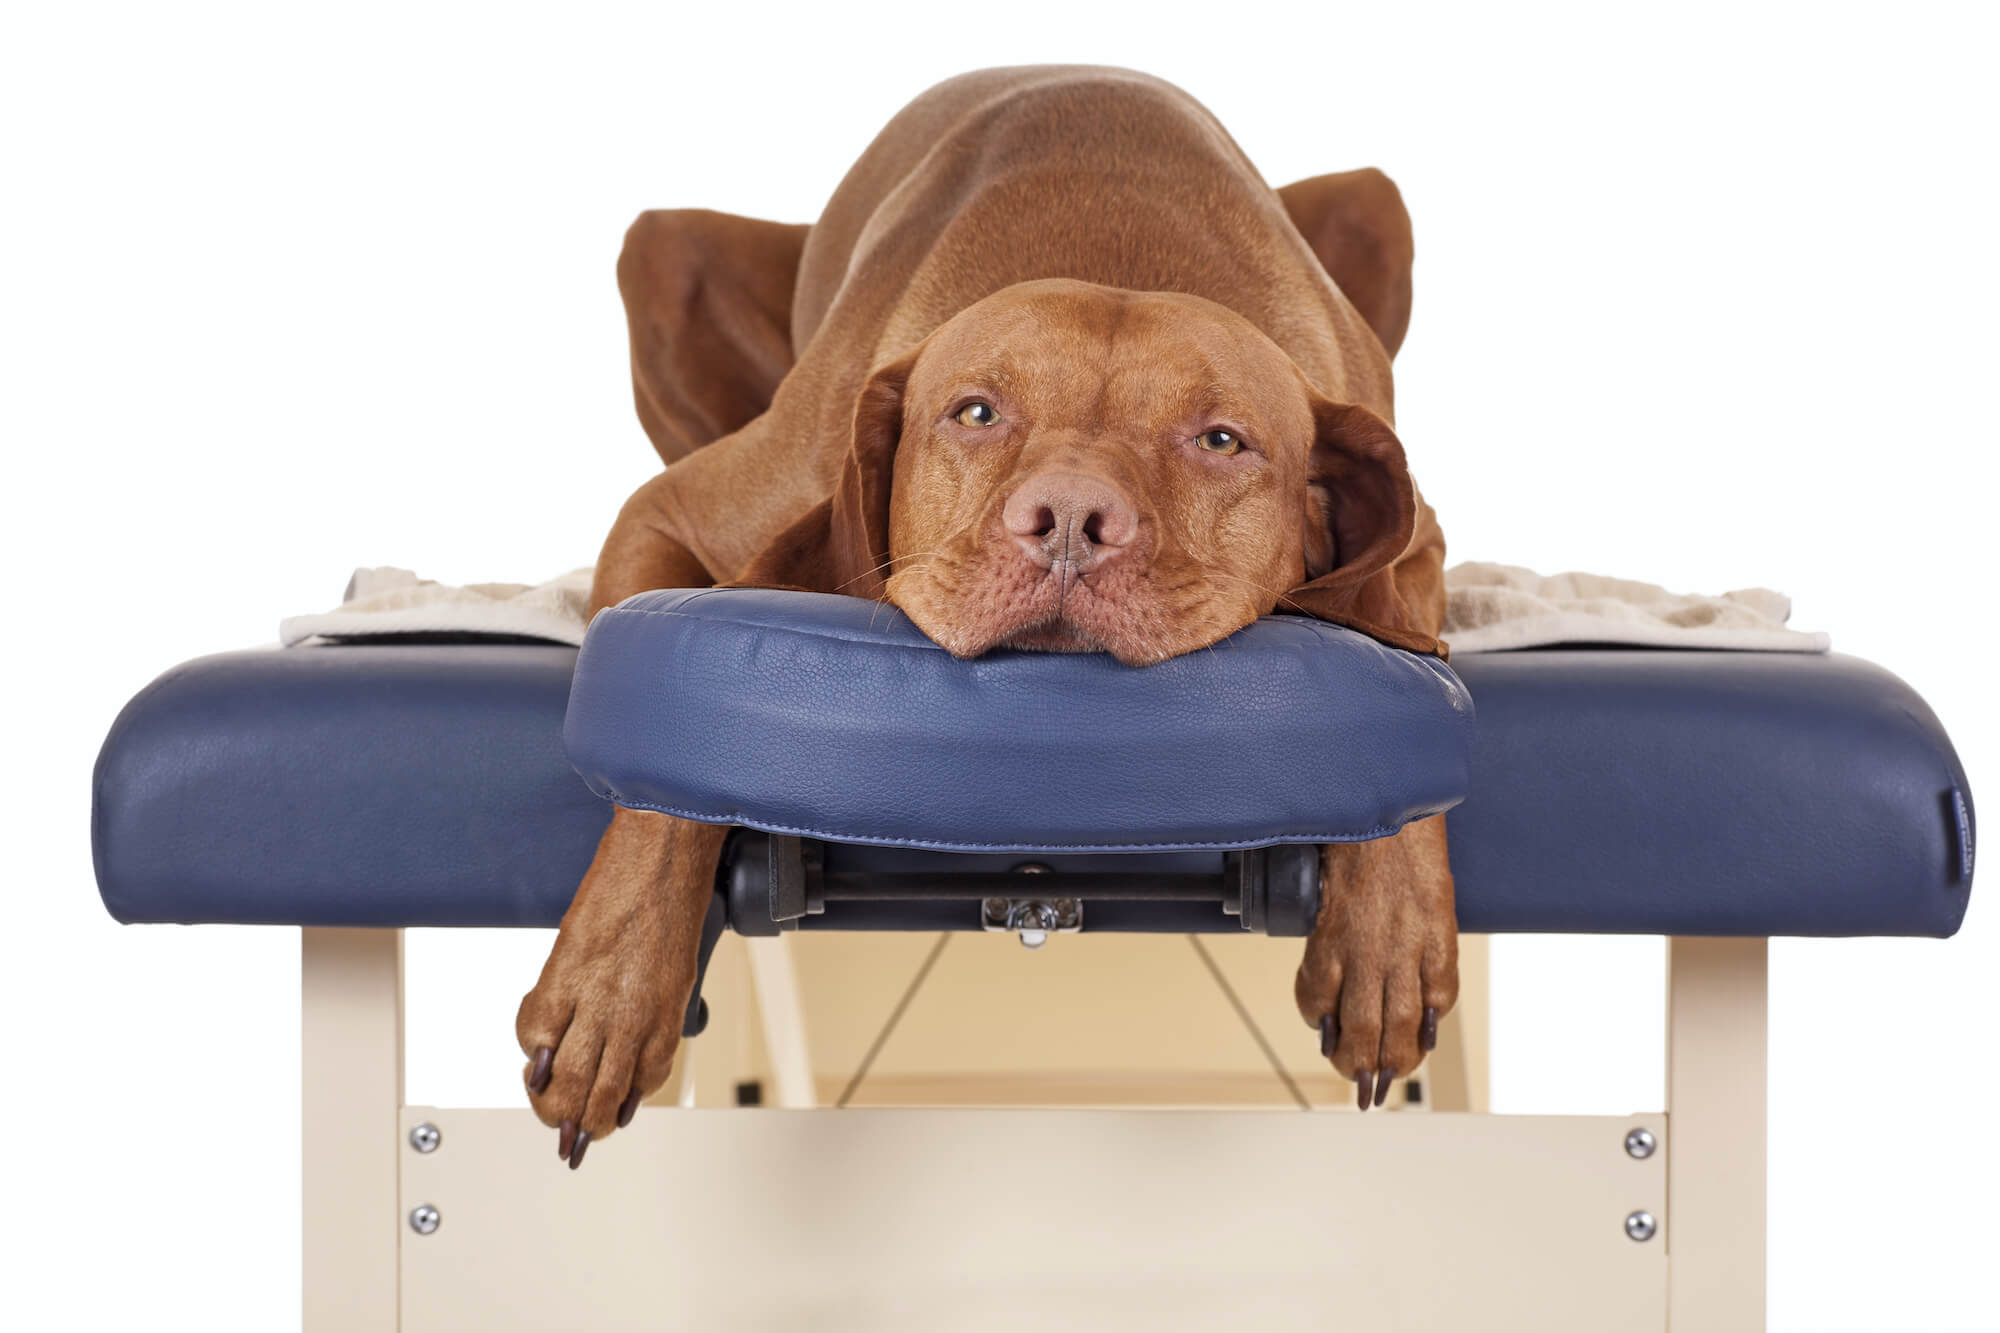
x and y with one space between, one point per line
1034 939
425 1137
424 1219
1641 1225
1640 1144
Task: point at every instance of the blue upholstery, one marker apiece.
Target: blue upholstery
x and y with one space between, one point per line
797 712
1612 791
351 785
1702 793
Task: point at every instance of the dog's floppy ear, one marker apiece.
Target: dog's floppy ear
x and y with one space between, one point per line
841 544
708 301
1356 223
1374 555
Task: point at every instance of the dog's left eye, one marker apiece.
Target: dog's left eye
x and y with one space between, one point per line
977 413
1220 441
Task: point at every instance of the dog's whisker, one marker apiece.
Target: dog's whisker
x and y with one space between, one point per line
913 555
1260 587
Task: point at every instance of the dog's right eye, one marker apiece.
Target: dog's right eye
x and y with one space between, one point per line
977 413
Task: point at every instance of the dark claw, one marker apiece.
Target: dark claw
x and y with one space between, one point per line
1329 1035
565 1138
628 1108
1364 1089
1382 1088
582 1142
538 1073
1427 1035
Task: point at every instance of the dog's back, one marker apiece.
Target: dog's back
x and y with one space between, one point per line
1104 175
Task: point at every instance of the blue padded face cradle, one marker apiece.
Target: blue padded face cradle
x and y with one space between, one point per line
834 717
1627 791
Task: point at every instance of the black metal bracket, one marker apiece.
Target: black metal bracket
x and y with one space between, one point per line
773 882
712 927
1273 890
793 868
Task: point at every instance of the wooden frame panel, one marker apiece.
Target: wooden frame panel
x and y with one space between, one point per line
1003 1218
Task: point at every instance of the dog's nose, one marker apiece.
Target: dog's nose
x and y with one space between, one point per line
1067 516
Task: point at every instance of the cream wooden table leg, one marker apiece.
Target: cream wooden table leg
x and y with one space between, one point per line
1716 1045
1456 1074
776 982
352 1051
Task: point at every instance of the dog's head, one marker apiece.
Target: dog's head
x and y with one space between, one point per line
1070 467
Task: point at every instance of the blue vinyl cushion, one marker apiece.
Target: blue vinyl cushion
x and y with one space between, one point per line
350 785
1708 793
1613 791
798 712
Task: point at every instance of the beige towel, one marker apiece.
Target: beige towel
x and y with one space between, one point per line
1488 608
387 600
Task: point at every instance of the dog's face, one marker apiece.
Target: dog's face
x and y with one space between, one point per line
1078 468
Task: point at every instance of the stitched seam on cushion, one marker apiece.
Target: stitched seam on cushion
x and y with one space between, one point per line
925 646
1319 629
939 844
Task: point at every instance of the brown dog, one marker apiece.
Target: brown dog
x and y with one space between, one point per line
1055 369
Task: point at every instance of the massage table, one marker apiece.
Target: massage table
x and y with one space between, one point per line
355 790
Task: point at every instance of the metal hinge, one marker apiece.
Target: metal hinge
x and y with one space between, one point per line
1033 919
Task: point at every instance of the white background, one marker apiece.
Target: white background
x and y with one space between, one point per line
1704 298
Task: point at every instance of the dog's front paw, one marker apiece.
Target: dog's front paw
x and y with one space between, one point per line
1381 967
600 1029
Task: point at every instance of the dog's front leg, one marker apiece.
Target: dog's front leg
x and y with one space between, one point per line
1381 967
648 547
601 1026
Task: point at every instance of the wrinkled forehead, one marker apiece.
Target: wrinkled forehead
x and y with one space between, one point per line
1069 348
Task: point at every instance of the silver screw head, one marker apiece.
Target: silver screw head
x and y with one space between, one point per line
424 1219
1641 1225
425 1137
1640 1143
